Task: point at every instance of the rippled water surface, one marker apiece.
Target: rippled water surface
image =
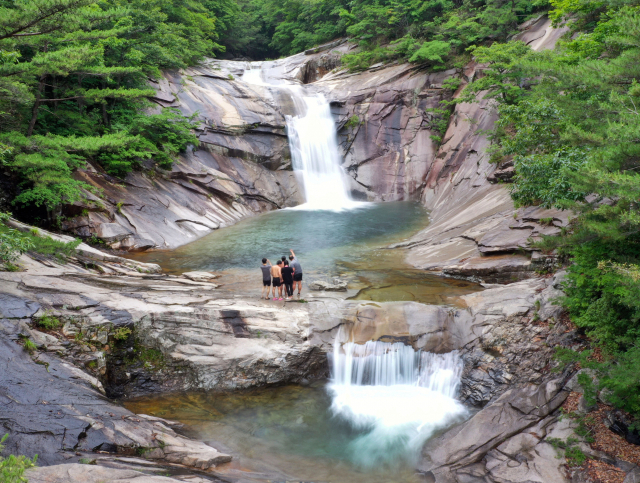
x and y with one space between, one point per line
347 243
279 434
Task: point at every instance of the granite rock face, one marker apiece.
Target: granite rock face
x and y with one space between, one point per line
55 410
502 442
386 129
187 334
475 231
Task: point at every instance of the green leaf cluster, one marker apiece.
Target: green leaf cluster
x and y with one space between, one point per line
569 118
13 467
13 243
74 87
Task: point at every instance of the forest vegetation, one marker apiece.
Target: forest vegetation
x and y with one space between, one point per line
74 89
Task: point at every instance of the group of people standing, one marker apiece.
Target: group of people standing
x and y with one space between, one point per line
287 273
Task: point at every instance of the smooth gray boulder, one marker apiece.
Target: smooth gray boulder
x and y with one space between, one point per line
324 286
87 473
112 232
200 276
467 444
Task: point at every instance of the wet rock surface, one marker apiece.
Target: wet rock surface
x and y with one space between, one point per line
191 335
505 442
53 409
324 286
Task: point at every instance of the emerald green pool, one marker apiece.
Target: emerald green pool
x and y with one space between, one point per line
349 244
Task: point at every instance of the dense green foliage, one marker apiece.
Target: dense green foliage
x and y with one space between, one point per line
73 86
13 467
13 243
570 120
425 31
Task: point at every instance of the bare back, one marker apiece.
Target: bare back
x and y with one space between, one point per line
275 271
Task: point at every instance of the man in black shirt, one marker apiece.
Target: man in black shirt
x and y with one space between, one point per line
287 278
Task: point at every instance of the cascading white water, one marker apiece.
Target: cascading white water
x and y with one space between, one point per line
395 396
314 147
314 151
253 75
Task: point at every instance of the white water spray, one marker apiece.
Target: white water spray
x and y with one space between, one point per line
395 396
314 147
314 151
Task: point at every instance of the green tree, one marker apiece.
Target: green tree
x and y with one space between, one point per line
570 118
504 74
73 86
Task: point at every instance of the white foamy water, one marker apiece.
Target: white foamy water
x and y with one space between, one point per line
314 147
397 397
253 75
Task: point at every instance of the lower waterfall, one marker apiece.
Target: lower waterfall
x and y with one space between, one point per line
396 397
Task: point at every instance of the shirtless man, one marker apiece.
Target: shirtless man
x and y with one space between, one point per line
297 275
277 280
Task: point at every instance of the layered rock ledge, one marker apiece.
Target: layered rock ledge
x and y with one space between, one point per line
187 335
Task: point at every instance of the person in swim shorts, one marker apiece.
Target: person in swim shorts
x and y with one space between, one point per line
277 280
287 279
297 272
266 278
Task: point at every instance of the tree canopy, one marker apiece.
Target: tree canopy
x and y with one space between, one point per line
423 31
73 86
570 120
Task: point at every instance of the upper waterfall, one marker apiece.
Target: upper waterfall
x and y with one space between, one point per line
314 146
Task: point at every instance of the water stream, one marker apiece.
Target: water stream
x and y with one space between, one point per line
314 146
394 396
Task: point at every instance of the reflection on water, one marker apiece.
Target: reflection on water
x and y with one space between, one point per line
286 433
319 238
347 243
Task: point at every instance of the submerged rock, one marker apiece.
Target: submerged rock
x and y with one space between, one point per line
200 276
336 286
